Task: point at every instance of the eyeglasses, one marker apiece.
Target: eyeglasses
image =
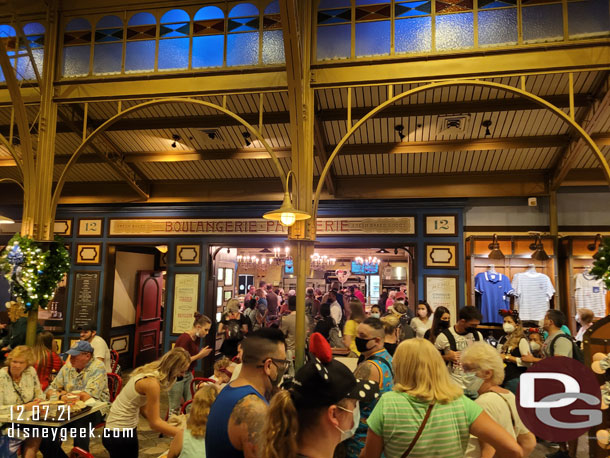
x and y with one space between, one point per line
279 363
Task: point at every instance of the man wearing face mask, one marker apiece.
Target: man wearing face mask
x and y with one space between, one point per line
237 415
451 342
376 366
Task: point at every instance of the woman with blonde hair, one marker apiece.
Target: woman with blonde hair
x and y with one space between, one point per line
390 326
512 346
484 372
19 385
190 442
143 393
351 326
427 414
46 361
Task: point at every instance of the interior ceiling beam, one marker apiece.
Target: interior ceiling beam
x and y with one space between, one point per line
336 114
322 151
547 58
590 121
495 184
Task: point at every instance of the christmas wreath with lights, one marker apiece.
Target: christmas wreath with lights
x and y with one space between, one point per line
34 269
601 265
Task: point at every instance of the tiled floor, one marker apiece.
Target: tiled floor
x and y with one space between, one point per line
151 446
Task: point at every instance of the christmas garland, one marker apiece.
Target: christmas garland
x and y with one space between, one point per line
601 266
33 273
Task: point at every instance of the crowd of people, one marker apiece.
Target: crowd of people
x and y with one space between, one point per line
422 386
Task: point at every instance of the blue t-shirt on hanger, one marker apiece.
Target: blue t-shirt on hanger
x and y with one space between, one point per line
495 290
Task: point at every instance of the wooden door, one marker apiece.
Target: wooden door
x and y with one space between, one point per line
148 317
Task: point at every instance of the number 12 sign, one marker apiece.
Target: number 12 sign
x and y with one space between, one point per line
441 225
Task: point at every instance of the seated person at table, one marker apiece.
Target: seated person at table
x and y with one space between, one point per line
85 376
190 442
142 395
46 362
19 385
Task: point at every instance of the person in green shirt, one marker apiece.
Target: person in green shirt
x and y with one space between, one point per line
422 384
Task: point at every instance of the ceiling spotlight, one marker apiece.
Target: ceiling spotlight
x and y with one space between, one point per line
176 138
539 254
383 251
211 135
395 250
494 246
247 138
487 125
596 242
400 128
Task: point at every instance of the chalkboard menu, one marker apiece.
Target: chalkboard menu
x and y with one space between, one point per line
85 299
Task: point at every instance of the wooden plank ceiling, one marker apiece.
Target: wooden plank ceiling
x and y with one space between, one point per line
521 137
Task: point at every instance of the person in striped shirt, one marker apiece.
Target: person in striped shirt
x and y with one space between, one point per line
422 383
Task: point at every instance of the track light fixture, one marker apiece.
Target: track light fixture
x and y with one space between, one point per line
400 129
383 251
176 138
487 124
494 246
539 254
247 137
395 250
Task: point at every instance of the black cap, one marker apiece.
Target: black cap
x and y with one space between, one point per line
319 384
87 327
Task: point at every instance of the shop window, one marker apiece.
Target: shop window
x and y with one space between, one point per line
497 23
243 35
413 27
542 23
373 29
334 30
174 41
208 37
141 37
588 19
77 48
108 48
273 38
34 34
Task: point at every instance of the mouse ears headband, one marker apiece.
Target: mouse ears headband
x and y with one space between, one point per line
513 313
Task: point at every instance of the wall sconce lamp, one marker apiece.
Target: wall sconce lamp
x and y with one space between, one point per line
494 246
287 215
596 243
539 254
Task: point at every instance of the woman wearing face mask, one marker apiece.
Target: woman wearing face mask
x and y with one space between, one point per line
425 398
349 330
319 411
423 321
190 341
536 341
390 325
439 322
375 311
512 346
484 372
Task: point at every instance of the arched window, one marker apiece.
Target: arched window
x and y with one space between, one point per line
77 48
174 41
108 48
373 28
141 42
413 27
334 29
243 35
208 38
34 34
273 38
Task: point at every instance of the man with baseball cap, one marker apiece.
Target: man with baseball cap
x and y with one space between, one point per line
100 349
85 377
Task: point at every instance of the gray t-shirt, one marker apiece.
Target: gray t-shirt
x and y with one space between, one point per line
562 346
289 327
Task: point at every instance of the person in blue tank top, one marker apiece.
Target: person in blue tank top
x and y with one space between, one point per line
376 365
237 416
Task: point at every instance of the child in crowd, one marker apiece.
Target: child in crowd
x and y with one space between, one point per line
223 371
190 442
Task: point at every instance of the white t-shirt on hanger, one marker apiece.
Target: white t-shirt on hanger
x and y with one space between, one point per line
534 292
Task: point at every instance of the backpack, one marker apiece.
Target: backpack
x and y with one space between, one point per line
233 330
577 353
452 343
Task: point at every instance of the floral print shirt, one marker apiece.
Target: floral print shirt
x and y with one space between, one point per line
92 380
22 392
